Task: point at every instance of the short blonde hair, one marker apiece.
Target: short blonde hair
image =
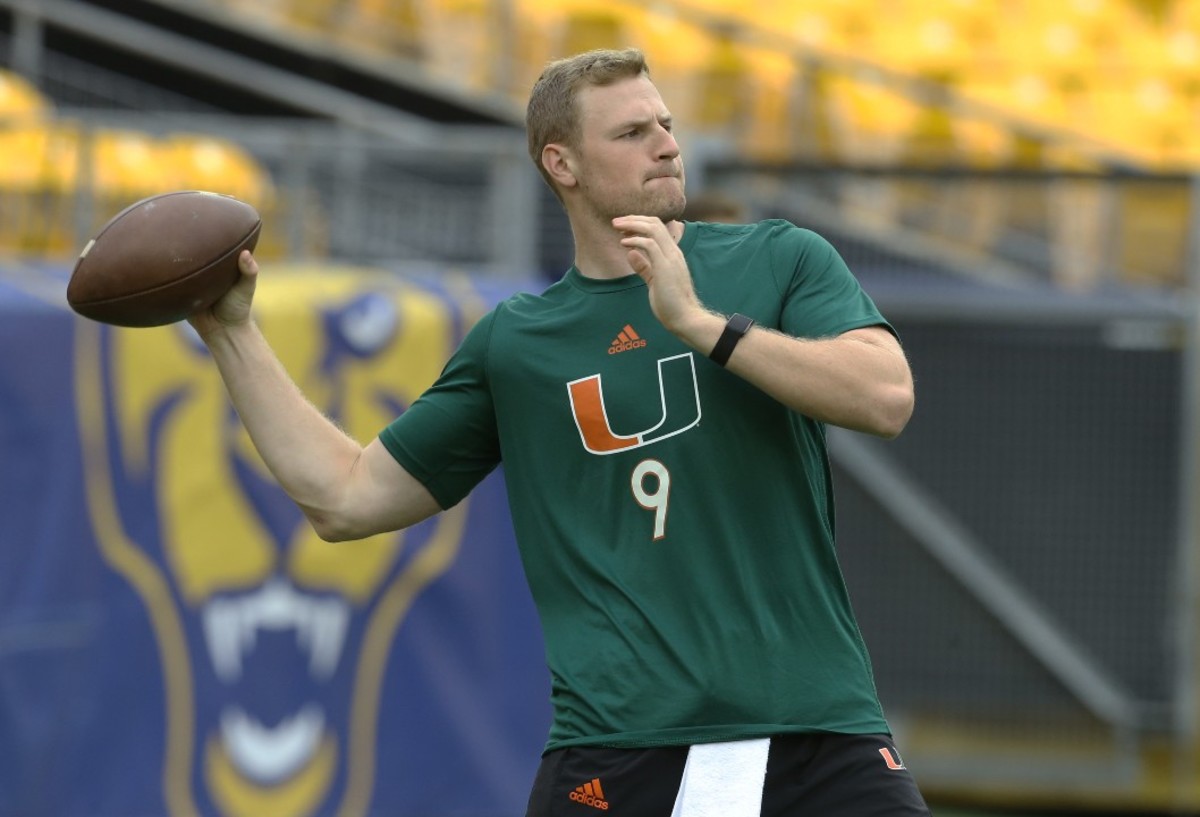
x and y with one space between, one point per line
552 115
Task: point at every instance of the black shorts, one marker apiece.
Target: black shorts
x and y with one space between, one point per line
817 775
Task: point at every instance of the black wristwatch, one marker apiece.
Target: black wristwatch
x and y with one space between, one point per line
735 329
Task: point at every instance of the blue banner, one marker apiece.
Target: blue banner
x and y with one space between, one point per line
174 639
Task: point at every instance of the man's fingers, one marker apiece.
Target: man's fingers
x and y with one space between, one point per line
646 244
639 262
643 225
247 264
644 253
639 241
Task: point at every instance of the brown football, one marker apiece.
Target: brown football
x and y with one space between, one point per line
163 258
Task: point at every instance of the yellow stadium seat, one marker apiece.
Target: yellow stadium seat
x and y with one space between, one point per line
1062 102
24 157
39 166
1184 14
1153 126
976 22
127 165
934 42
19 99
873 120
849 27
775 124
461 43
313 15
391 26
598 26
723 88
205 162
1150 126
1173 58
1156 12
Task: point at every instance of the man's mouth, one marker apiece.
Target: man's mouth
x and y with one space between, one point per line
268 754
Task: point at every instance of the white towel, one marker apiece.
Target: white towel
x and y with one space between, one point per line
723 779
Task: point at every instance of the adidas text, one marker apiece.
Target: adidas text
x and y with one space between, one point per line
590 800
590 794
626 346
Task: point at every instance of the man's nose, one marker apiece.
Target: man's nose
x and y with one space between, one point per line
669 148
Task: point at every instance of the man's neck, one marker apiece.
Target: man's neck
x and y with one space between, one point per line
599 254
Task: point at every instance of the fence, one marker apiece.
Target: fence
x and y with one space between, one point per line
325 191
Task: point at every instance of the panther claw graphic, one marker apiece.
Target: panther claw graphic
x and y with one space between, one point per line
231 626
267 754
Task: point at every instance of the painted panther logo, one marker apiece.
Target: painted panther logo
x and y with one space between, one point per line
273 643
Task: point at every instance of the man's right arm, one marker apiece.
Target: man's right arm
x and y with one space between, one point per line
347 491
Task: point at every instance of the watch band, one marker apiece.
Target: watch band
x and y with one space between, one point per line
735 329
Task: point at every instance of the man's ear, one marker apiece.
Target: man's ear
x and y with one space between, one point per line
560 164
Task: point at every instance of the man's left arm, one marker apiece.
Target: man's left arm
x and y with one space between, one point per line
858 380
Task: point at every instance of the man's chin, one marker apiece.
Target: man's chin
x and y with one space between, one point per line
671 210
668 208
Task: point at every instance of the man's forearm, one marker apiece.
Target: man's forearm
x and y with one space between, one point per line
850 380
859 380
307 453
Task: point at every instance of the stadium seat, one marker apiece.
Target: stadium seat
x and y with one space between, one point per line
1152 125
777 128
850 27
205 162
873 119
722 102
393 27
20 100
1156 12
928 44
592 26
312 15
39 166
127 165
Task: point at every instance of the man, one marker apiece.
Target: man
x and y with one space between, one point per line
660 413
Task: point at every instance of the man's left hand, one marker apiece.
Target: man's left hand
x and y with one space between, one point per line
655 256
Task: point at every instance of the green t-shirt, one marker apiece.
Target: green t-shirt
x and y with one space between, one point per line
675 523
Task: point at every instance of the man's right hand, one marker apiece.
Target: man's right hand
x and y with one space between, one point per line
232 308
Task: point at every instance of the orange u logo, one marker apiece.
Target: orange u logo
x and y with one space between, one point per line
676 379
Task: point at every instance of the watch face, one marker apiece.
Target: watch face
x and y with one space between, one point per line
737 326
740 323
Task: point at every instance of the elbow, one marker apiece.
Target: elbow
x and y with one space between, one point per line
894 410
331 527
329 531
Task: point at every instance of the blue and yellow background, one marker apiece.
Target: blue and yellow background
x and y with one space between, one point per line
175 639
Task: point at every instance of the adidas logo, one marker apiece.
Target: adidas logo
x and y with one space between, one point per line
590 794
625 340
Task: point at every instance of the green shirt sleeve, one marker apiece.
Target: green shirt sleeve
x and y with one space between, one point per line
822 298
448 438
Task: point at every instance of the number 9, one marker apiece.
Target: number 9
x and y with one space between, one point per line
656 501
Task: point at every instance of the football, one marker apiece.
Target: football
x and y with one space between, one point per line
163 258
